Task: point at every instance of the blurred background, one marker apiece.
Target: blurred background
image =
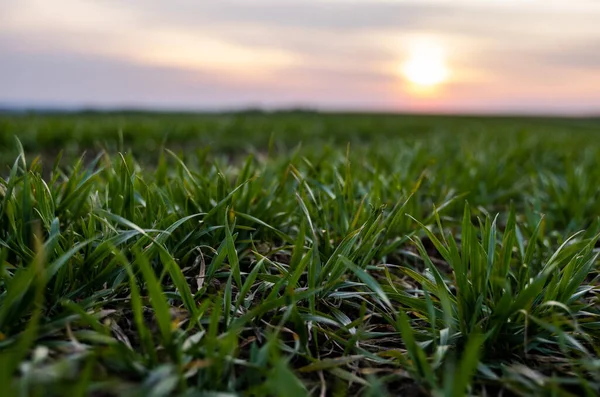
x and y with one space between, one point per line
463 56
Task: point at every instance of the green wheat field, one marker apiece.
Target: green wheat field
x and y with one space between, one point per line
298 253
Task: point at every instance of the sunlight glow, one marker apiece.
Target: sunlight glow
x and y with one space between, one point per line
425 65
196 50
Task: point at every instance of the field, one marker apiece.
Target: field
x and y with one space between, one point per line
298 253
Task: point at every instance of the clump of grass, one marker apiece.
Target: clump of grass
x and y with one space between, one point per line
383 270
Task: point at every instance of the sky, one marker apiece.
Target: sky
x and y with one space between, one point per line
490 56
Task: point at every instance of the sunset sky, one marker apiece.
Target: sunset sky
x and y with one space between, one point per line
527 56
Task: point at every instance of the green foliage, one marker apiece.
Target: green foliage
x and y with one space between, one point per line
321 269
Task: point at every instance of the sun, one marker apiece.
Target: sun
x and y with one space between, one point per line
425 65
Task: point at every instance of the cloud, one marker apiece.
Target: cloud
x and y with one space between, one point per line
330 53
456 17
67 79
577 56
